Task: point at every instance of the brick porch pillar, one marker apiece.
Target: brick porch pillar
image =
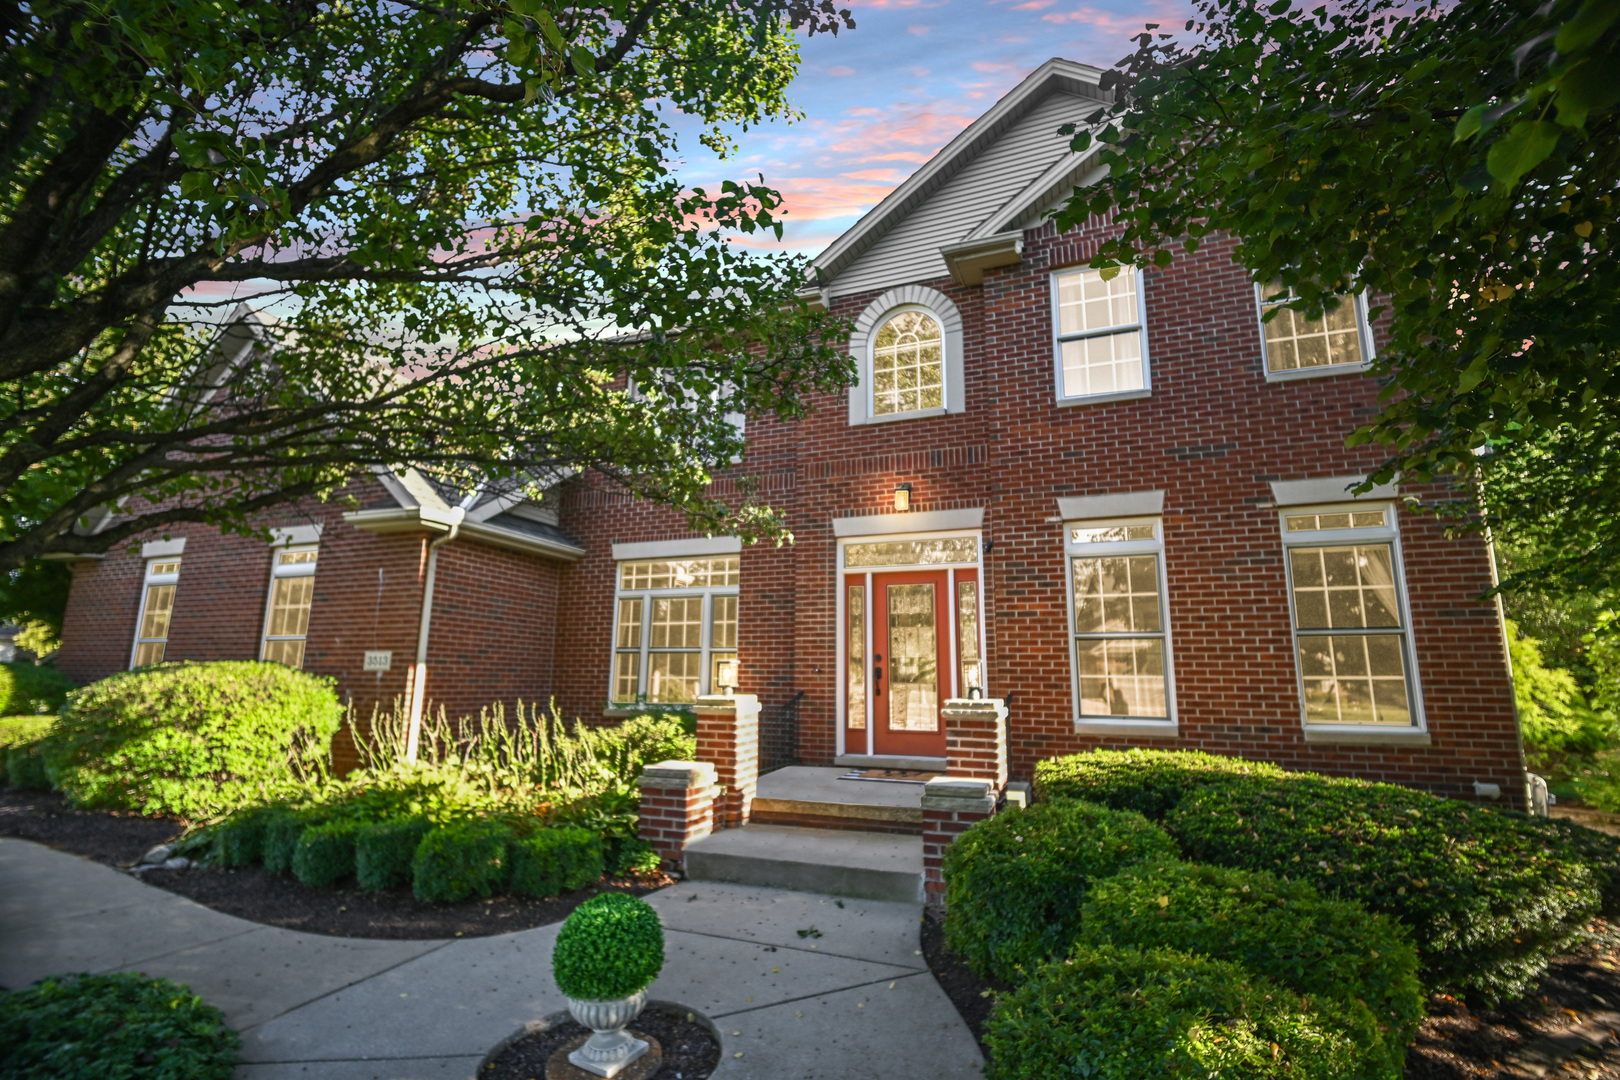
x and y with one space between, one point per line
949 806
728 739
976 740
677 806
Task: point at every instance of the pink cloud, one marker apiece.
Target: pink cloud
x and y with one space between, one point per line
924 128
1104 20
986 65
1034 5
840 70
899 155
810 198
919 30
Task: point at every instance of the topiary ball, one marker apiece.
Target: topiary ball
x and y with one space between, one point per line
610 947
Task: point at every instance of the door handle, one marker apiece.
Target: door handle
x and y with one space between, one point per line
877 680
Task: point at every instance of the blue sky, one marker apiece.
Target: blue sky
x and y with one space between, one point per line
881 99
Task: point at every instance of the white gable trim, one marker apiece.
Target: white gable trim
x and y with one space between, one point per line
950 321
1055 74
1051 187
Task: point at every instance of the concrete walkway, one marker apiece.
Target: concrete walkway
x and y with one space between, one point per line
856 1002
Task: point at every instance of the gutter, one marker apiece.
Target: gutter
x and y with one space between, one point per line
416 519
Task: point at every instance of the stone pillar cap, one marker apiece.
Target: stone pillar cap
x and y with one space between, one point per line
695 773
725 701
948 788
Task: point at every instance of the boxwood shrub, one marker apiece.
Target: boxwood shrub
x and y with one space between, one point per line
1151 782
190 739
609 947
21 763
324 854
282 828
1130 1014
550 861
239 839
461 859
1015 883
383 852
107 1027
1285 931
1489 895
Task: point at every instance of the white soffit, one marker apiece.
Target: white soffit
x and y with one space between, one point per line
1330 489
673 549
1126 504
921 521
159 549
296 534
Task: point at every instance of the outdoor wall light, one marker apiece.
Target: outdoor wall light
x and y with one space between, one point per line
726 675
902 498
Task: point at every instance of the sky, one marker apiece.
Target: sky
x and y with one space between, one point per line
879 100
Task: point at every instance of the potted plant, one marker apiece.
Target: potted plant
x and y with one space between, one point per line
608 952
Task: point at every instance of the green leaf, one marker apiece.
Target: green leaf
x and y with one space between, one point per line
1586 88
1589 24
548 28
584 63
1468 125
1525 146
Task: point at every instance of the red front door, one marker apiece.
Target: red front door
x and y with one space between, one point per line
911 662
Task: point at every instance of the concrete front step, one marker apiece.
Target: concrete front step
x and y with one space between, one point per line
815 797
839 862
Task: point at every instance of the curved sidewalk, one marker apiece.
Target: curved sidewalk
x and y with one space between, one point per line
856 1002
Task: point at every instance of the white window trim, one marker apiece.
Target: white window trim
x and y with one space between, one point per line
841 596
149 579
647 596
1418 733
277 572
880 311
1120 725
1059 337
1363 332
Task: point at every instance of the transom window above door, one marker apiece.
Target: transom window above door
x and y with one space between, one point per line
675 621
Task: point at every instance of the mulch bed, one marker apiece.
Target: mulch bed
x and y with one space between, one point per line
1455 1043
119 839
690 1049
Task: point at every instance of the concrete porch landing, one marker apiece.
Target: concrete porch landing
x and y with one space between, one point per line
811 796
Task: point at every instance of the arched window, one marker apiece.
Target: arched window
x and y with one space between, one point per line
908 345
908 364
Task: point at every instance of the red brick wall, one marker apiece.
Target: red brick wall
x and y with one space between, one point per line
1212 435
491 637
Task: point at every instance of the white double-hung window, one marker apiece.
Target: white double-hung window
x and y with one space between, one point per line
1296 347
1352 626
1119 622
292 592
675 621
157 611
1101 332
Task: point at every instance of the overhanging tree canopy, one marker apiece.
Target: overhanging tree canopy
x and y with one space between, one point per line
1460 162
455 212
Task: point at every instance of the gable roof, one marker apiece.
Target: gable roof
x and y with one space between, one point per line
1040 171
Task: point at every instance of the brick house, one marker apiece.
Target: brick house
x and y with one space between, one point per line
1121 507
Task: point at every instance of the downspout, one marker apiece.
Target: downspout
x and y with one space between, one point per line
419 686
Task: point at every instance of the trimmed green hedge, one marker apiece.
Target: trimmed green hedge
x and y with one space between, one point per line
383 853
324 855
282 828
1128 1014
1015 883
1287 932
21 762
27 688
555 860
1151 782
240 839
111 1027
609 947
460 860
190 739
1490 895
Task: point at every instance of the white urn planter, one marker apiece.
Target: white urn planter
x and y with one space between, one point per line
610 1048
